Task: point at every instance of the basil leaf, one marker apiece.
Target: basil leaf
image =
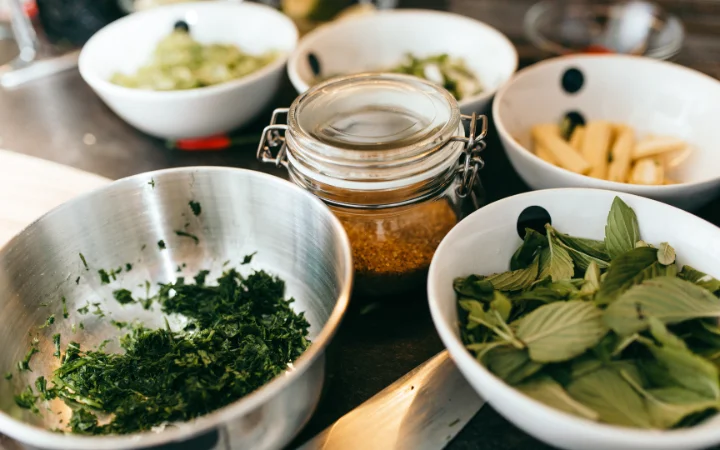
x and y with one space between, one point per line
612 397
621 231
474 287
665 254
668 406
668 299
700 278
515 280
526 253
561 331
502 305
687 369
547 391
628 269
592 279
584 251
555 262
511 364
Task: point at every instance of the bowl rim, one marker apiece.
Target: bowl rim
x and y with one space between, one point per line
99 83
317 34
43 438
539 40
577 178
614 434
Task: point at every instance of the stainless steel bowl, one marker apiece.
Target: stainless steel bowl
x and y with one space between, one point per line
295 235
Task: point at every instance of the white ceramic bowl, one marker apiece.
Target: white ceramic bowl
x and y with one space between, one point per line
483 244
382 39
128 43
651 96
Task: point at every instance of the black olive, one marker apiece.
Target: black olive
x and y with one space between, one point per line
181 25
535 218
314 64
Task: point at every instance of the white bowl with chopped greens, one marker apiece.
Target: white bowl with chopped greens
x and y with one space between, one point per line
470 58
619 333
172 84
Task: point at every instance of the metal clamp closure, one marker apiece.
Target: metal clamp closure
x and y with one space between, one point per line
470 162
271 139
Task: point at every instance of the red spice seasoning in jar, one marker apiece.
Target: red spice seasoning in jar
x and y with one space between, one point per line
388 153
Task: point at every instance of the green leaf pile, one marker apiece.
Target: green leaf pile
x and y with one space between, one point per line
240 334
611 331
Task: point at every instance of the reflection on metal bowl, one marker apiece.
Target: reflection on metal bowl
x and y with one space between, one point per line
296 238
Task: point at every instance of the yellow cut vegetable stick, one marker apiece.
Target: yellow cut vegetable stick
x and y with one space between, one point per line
620 154
548 136
647 171
545 154
577 137
596 146
674 159
651 146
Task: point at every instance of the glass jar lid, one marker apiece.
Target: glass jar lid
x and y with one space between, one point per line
388 130
373 117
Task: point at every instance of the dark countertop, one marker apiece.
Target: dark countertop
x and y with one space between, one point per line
49 119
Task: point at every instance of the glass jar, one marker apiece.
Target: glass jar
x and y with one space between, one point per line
389 155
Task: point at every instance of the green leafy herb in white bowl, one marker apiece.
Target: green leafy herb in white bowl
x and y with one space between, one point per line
599 342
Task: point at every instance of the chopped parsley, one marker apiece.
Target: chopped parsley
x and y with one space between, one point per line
196 208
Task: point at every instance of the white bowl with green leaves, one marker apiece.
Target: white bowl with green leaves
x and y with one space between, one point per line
609 341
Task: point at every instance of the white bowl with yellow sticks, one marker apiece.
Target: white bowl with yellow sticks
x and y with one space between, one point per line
617 122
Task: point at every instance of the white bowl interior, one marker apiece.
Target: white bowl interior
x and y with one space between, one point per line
381 40
483 244
128 43
651 96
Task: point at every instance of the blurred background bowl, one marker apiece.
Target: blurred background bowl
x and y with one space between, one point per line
128 43
380 40
653 97
563 27
484 242
295 235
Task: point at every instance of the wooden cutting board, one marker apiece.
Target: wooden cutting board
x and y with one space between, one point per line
30 187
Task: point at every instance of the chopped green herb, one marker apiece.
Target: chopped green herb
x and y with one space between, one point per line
119 324
56 343
152 182
49 321
44 304
82 257
189 235
144 246
226 263
103 344
178 269
128 267
248 258
85 309
98 311
123 296
25 363
8 375
454 422
65 313
27 399
195 206
104 276
244 335
73 328
41 387
161 244
77 280
82 326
